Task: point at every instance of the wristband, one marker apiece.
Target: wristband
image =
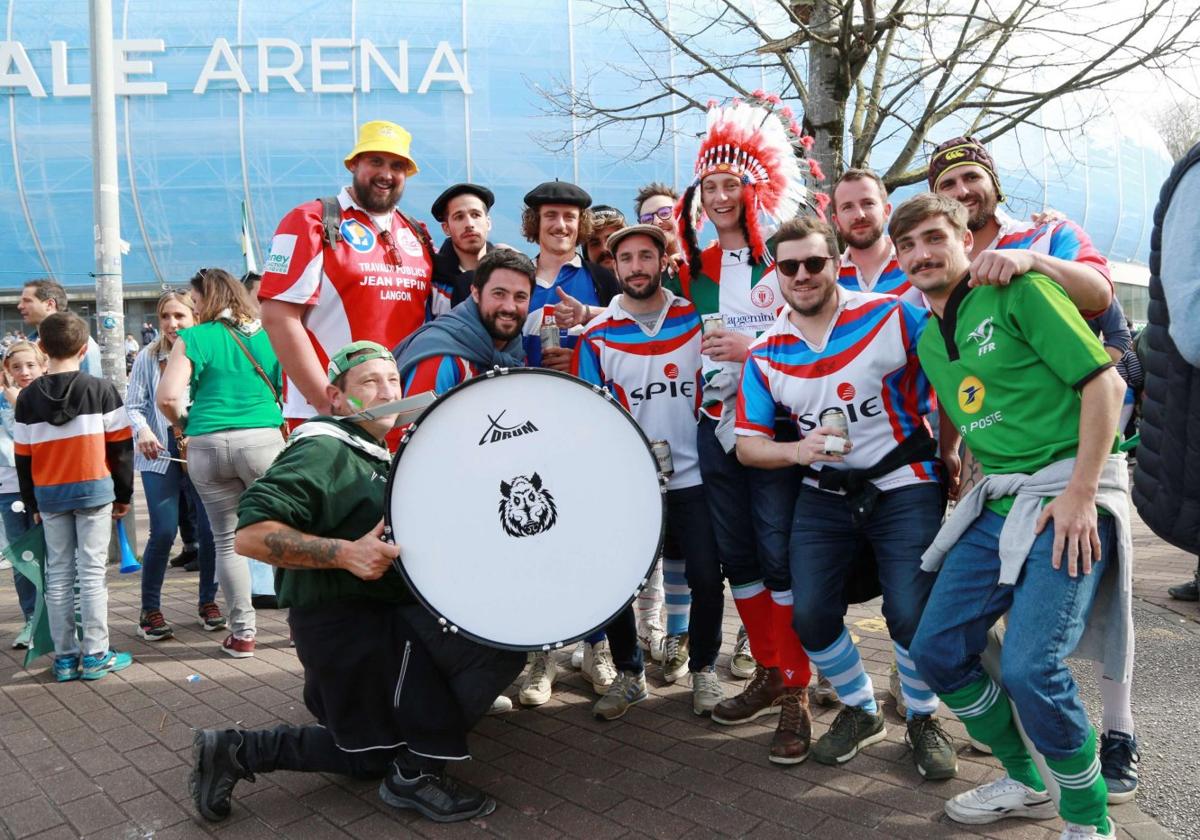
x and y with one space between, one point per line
797 457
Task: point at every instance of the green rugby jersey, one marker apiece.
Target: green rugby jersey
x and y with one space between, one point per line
1007 364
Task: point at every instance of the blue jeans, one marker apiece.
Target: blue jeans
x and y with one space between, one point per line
77 549
1047 610
751 512
162 499
15 526
824 539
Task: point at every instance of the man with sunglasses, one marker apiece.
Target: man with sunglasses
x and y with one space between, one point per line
873 492
362 270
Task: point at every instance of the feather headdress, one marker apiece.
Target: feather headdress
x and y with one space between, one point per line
764 147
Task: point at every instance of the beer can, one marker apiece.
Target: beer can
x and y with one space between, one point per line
549 336
662 454
709 324
835 419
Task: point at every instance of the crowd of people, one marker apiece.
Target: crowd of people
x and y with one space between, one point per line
839 399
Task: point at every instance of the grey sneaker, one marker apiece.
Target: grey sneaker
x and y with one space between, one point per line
932 750
706 690
627 689
852 729
742 663
675 657
823 693
896 691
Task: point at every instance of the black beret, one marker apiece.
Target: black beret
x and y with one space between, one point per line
558 192
439 205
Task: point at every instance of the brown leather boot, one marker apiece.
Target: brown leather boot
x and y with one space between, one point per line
794 732
760 697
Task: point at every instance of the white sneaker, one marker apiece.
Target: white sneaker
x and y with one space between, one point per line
501 705
706 690
539 680
1088 832
577 656
598 666
650 639
997 800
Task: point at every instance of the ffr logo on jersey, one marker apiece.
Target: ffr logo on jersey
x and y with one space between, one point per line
982 336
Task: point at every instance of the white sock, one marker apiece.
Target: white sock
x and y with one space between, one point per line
1118 715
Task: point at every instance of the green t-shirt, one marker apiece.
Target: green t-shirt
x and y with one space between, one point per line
227 393
1007 364
327 488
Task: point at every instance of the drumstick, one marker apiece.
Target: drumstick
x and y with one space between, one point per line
407 409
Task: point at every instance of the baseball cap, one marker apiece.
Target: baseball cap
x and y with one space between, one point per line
355 353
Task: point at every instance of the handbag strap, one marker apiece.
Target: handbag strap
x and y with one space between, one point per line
257 367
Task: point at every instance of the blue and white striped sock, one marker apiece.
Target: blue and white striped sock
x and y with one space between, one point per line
842 665
918 697
677 596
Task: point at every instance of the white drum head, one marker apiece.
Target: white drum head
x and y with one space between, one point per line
527 507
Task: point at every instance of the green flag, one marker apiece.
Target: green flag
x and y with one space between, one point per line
28 556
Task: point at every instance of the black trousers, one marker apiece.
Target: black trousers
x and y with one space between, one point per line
384 682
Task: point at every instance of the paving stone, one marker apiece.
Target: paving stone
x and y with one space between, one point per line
29 816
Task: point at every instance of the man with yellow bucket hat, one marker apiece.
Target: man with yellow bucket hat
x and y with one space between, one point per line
348 268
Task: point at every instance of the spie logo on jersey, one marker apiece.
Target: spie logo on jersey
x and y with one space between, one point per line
846 392
762 296
671 371
358 236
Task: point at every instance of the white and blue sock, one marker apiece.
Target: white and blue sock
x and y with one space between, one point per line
677 595
918 696
842 666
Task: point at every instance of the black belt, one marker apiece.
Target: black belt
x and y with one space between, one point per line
861 492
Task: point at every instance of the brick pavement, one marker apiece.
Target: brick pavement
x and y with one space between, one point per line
110 759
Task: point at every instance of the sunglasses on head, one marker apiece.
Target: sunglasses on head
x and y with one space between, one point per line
813 265
663 213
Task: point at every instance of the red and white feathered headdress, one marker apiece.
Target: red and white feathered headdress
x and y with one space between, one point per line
762 144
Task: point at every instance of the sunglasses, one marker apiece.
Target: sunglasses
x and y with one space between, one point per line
813 265
663 213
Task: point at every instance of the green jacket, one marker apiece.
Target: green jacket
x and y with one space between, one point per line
327 487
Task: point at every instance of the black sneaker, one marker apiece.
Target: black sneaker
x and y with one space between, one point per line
932 750
1119 766
264 602
215 771
184 557
153 627
852 729
1189 591
436 796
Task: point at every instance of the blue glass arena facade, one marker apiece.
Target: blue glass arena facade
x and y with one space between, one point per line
232 103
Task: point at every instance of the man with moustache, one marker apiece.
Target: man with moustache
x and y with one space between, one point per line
364 272
605 222
855 352
462 210
860 210
1003 247
648 337
1037 399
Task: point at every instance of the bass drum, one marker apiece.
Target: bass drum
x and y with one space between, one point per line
528 508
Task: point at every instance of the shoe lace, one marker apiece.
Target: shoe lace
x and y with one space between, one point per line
929 734
154 619
537 670
210 611
847 722
756 682
1084 832
706 683
790 710
602 662
742 646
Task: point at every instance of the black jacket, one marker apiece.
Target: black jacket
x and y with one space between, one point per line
448 273
1166 481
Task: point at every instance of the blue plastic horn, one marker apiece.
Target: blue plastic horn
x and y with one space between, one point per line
129 563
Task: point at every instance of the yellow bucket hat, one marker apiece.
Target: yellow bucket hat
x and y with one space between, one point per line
383 136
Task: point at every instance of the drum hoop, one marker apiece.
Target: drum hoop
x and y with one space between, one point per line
390 535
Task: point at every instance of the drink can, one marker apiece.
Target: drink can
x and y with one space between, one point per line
711 323
835 419
662 454
549 336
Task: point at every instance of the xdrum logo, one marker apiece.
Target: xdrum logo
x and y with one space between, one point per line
497 432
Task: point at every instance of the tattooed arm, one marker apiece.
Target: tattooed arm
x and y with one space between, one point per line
280 545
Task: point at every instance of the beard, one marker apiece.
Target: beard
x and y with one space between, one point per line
863 239
364 194
983 213
648 292
494 329
809 311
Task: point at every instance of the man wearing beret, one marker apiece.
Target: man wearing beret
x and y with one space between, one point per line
355 268
462 211
569 288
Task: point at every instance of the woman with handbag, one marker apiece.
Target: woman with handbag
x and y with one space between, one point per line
233 423
156 458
